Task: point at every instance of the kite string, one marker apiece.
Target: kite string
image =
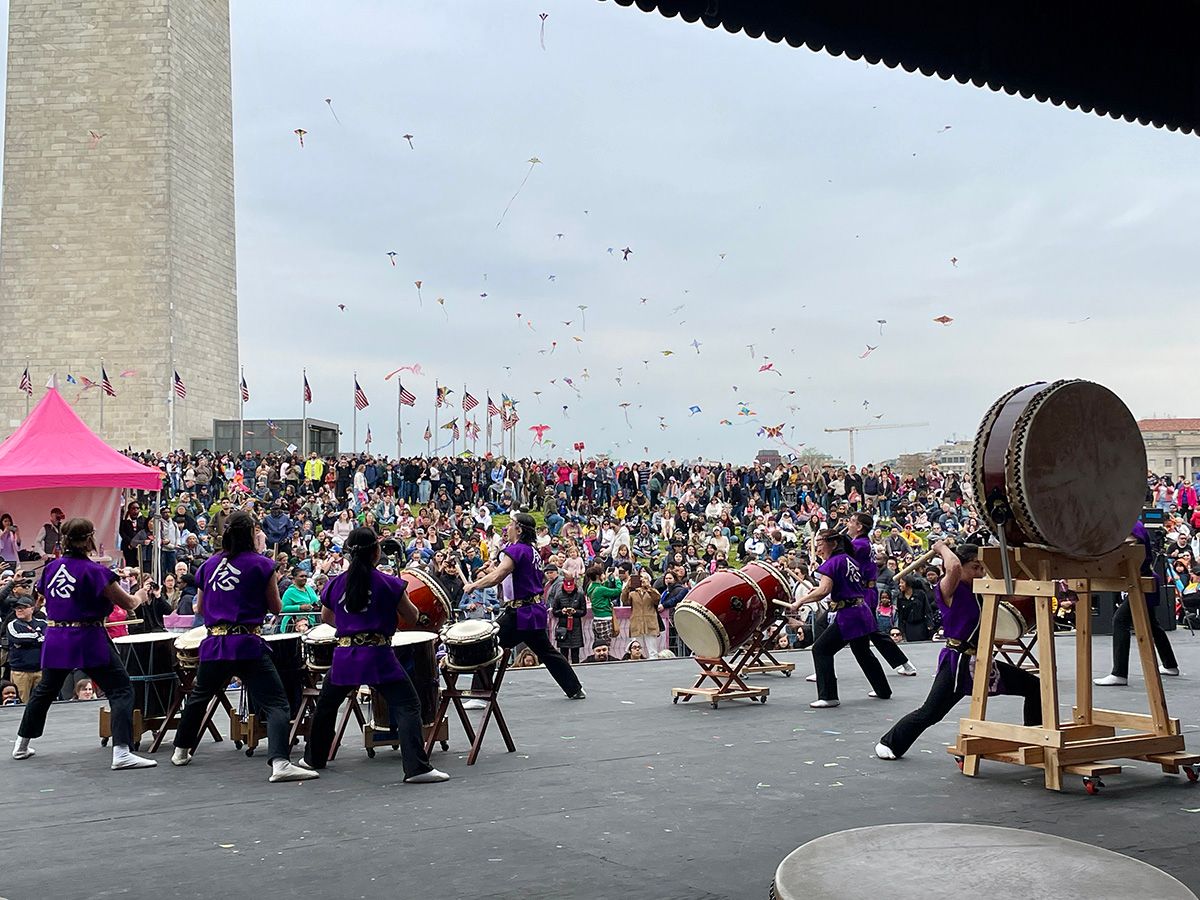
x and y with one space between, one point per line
514 196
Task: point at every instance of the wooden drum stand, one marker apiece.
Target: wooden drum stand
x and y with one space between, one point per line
727 676
452 694
1088 744
761 646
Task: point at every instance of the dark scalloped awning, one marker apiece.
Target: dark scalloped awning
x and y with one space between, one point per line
1134 61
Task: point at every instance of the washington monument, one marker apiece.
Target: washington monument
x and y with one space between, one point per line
117 233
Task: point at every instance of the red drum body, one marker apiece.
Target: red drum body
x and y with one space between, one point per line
429 599
773 581
1066 462
721 613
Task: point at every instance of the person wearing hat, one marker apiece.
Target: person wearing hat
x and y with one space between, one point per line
524 619
79 594
49 538
569 605
25 636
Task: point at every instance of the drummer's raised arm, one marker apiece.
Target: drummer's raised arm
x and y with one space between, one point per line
117 596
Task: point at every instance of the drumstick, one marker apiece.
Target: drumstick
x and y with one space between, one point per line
916 563
108 624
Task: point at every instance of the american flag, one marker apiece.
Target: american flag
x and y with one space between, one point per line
368 435
180 389
456 432
469 402
26 384
492 408
106 384
307 391
428 433
245 391
407 398
441 396
513 419
360 398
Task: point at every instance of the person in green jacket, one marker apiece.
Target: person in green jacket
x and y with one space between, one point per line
601 592
299 598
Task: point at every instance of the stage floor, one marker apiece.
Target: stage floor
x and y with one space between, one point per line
621 795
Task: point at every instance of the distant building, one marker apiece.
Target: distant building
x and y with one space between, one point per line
954 458
1172 446
912 463
272 436
768 458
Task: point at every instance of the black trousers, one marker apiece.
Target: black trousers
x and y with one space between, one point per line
538 641
827 645
264 691
1123 626
113 680
943 697
404 710
888 649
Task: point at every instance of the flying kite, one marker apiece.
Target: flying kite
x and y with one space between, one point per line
625 406
329 103
565 416
867 352
944 320
419 300
538 394
409 137
954 261
693 410
675 311
944 129
415 368
300 133
667 352
442 303
533 161
542 33
559 236
696 346
128 373
770 367
551 277
578 340
881 323
625 253
582 307
342 307
541 430
392 257
751 346
724 422
94 139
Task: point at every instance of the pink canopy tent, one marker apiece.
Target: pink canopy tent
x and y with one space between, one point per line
54 459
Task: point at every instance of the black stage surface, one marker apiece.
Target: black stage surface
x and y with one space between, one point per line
619 795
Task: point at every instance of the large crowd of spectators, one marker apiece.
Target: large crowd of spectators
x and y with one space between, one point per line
622 543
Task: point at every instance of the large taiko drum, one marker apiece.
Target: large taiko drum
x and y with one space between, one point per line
150 661
416 651
721 613
1060 465
288 656
773 581
429 598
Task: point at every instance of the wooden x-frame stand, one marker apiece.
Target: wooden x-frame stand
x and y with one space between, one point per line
760 646
1089 743
489 694
728 680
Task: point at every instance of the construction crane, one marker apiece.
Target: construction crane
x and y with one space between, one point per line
851 429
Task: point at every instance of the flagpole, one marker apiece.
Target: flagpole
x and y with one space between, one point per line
29 392
171 436
241 415
102 396
427 451
437 395
304 418
399 417
354 440
487 413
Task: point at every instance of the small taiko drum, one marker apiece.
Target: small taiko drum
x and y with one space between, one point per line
1011 622
319 644
470 645
187 648
721 613
416 651
773 581
1060 465
431 601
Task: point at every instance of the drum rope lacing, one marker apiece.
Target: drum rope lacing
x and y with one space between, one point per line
1018 500
980 446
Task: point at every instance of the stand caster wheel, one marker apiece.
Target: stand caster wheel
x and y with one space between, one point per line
237 745
1092 785
787 674
675 700
762 699
1191 773
249 751
295 742
395 746
714 704
370 753
103 742
445 745
959 761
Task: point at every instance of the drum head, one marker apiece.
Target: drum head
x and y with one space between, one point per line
144 638
695 625
321 634
406 638
282 636
469 632
191 639
1010 624
1076 469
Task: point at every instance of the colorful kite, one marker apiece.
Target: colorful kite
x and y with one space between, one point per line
944 320
625 253
693 410
94 139
770 367
300 133
696 346
541 431
867 352
392 257
329 103
419 300
442 303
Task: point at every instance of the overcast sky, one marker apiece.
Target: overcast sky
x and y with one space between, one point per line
833 189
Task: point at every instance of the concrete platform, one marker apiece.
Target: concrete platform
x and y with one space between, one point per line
977 860
621 795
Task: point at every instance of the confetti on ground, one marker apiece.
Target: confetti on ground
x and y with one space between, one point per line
837 784
831 765
761 785
566 737
627 702
830 732
225 846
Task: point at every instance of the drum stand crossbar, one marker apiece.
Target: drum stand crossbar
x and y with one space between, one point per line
170 721
1089 743
727 676
452 694
760 646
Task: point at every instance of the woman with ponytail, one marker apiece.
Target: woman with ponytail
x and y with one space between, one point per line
365 605
236 588
519 568
850 620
